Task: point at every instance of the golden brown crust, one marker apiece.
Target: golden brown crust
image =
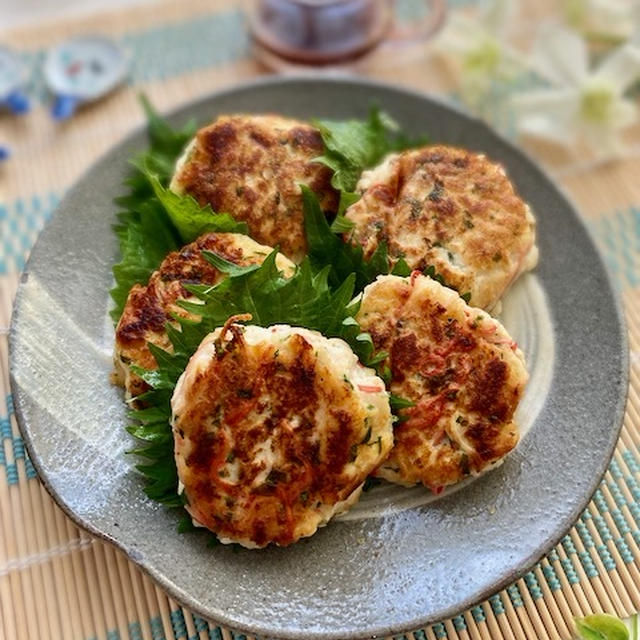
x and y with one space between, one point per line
451 209
149 308
268 437
460 368
251 166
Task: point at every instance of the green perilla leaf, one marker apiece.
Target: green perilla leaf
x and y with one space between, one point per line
304 299
601 626
354 145
351 146
188 217
153 220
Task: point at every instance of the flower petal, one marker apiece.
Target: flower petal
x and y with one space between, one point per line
621 68
547 113
626 113
552 102
608 21
539 126
560 56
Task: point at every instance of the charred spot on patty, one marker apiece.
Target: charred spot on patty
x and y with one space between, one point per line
252 166
462 206
149 308
292 426
460 369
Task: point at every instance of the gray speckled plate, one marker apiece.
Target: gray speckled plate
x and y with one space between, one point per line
397 561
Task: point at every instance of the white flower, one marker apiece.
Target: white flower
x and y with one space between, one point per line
479 50
580 105
605 21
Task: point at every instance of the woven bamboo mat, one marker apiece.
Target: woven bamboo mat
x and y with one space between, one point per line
57 581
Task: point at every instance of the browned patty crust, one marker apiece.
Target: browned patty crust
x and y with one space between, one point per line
251 166
149 308
274 429
451 209
458 365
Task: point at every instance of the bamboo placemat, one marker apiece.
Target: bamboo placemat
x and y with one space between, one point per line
57 581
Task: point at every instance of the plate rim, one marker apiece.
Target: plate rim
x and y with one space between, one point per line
515 573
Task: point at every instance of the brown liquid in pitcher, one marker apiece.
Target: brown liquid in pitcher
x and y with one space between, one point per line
320 31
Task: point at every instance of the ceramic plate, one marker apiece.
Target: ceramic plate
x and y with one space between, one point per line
399 560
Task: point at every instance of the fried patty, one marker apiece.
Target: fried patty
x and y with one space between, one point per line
275 431
451 209
149 308
460 368
251 166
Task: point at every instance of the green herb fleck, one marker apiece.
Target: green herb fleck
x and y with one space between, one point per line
367 435
430 271
385 374
398 402
377 442
416 208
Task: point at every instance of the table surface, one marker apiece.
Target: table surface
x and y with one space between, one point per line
21 13
57 581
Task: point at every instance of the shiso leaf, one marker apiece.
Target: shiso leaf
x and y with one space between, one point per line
166 142
342 225
354 145
601 626
188 217
326 248
401 268
153 221
304 300
146 236
347 198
